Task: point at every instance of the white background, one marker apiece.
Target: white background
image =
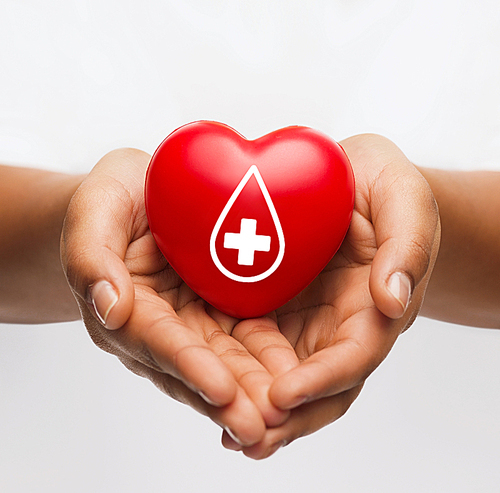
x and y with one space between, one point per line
79 78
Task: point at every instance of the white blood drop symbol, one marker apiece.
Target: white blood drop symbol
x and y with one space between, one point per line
247 231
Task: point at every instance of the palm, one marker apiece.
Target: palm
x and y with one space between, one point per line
336 326
326 326
319 347
314 319
166 332
173 337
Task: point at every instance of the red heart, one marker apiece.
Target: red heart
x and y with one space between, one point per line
248 224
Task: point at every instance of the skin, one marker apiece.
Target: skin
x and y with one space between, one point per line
166 332
33 205
271 380
345 323
465 285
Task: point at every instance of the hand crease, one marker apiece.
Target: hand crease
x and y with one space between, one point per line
274 346
303 309
246 374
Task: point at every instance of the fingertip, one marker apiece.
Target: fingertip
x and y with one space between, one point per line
399 288
287 393
262 450
230 443
395 272
202 370
112 306
275 417
104 297
221 396
391 293
241 420
224 395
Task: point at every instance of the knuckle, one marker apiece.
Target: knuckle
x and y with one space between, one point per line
232 352
75 266
419 245
247 328
129 153
215 338
250 377
419 248
271 348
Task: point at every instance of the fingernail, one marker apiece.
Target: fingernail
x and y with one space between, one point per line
104 298
399 286
233 436
207 399
234 447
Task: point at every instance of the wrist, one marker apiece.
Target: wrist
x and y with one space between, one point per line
33 205
465 284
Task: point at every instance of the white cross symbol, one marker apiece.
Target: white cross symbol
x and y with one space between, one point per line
247 241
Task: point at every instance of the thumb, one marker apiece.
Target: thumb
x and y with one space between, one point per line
407 230
102 218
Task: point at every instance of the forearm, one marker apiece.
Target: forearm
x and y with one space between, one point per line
33 204
465 284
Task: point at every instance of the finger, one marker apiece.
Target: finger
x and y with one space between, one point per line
102 219
256 381
360 345
408 233
264 341
241 419
158 338
303 421
405 218
248 372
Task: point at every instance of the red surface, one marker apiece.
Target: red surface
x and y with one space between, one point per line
194 173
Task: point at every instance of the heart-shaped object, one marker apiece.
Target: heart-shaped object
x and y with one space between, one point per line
248 224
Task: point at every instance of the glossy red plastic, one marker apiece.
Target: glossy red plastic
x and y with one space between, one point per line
248 224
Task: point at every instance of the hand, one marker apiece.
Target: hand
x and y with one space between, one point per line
163 331
344 324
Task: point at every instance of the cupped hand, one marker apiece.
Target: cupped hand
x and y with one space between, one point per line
342 326
136 307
